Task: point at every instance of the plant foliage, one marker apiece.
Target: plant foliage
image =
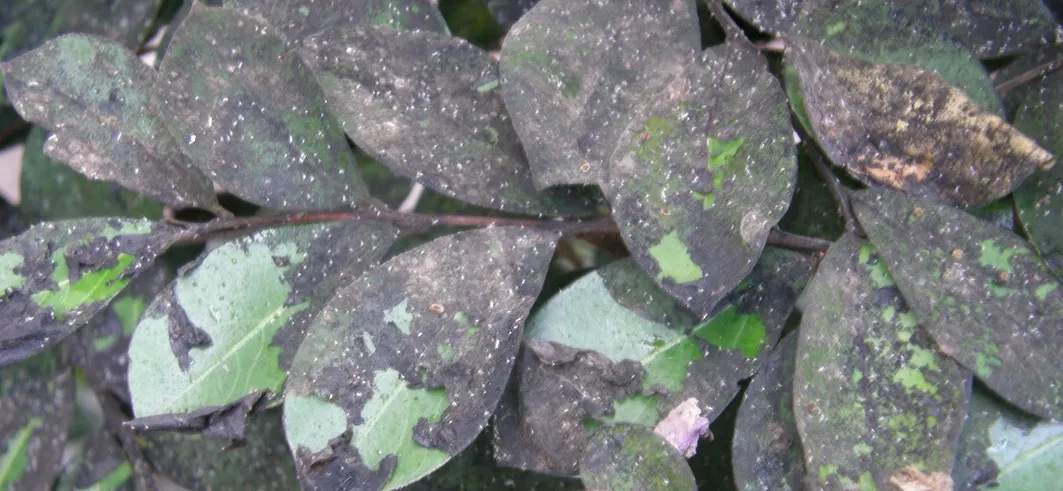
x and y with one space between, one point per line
605 255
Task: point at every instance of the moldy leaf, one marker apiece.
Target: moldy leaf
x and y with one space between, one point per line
632 457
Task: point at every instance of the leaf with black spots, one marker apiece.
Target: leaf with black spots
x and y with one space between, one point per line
982 292
301 19
633 457
251 114
703 173
230 325
258 461
766 451
429 107
431 335
1038 200
571 95
872 396
903 126
58 275
51 190
36 406
97 99
613 347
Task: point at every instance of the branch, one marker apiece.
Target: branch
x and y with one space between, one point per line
1029 76
796 242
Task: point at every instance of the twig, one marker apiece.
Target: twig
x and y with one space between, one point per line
1029 76
797 242
410 203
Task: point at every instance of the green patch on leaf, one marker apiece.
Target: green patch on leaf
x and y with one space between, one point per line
721 151
92 287
835 28
311 422
637 409
9 261
732 330
986 361
913 379
673 257
1042 291
399 316
16 454
997 257
654 131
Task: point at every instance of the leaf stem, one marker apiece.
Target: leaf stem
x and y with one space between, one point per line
787 240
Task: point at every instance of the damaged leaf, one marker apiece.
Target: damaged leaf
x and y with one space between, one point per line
980 291
902 126
251 114
766 452
571 95
57 275
51 190
95 96
613 347
1038 200
632 457
36 406
872 396
230 325
297 20
411 338
432 111
703 173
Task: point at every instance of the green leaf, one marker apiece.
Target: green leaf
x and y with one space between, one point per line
982 293
96 97
251 114
299 19
409 338
58 275
633 457
200 462
36 405
766 451
53 191
938 143
873 398
445 126
571 95
231 325
703 172
1038 201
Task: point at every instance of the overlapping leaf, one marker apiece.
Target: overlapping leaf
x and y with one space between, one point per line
1038 200
401 370
876 405
252 115
703 173
982 293
429 107
231 326
301 19
766 451
36 405
571 95
51 190
614 347
57 275
902 126
633 457
96 97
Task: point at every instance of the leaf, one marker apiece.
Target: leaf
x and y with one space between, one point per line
261 461
95 96
633 457
32 22
997 28
982 293
36 405
432 111
251 114
703 173
937 144
571 95
874 397
53 191
1038 201
430 335
1007 449
57 275
645 357
766 451
230 326
298 20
